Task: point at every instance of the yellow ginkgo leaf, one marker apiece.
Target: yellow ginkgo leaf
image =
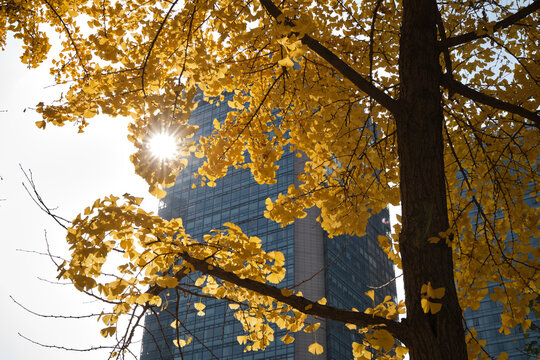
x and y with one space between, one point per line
200 281
382 339
122 308
429 306
432 293
143 298
109 319
167 282
108 331
182 342
322 301
286 292
401 351
200 306
370 294
275 278
435 307
287 339
312 327
316 348
425 305
434 239
358 349
436 293
286 62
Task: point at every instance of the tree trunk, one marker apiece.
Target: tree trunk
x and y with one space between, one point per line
423 192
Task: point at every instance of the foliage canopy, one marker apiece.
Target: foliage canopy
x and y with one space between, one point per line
426 103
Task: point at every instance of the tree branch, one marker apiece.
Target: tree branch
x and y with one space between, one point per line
398 330
70 36
63 222
459 88
348 72
56 316
88 349
371 35
147 57
473 35
442 35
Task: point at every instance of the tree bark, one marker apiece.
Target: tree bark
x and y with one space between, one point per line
423 192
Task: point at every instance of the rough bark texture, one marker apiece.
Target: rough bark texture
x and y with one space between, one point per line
423 193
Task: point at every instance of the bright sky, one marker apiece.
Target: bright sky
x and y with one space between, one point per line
70 170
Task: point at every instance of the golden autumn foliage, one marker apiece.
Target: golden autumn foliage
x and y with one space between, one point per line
429 104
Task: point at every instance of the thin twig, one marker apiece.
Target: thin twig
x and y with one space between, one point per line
34 195
56 316
93 348
325 267
385 284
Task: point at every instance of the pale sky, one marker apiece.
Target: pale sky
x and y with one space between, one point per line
70 170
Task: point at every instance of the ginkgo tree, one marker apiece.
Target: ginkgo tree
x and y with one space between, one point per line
429 104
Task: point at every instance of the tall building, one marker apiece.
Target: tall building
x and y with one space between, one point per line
487 322
340 269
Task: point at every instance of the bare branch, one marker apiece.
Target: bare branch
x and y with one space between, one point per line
34 195
40 253
92 348
55 316
126 340
54 282
326 266
387 283
51 256
192 334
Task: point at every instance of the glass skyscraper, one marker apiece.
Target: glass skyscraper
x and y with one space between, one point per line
487 322
340 269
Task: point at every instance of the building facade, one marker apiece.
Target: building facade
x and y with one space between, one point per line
340 269
487 322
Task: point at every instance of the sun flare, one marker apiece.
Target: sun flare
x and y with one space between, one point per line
163 146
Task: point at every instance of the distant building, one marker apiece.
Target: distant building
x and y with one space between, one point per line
355 263
487 322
